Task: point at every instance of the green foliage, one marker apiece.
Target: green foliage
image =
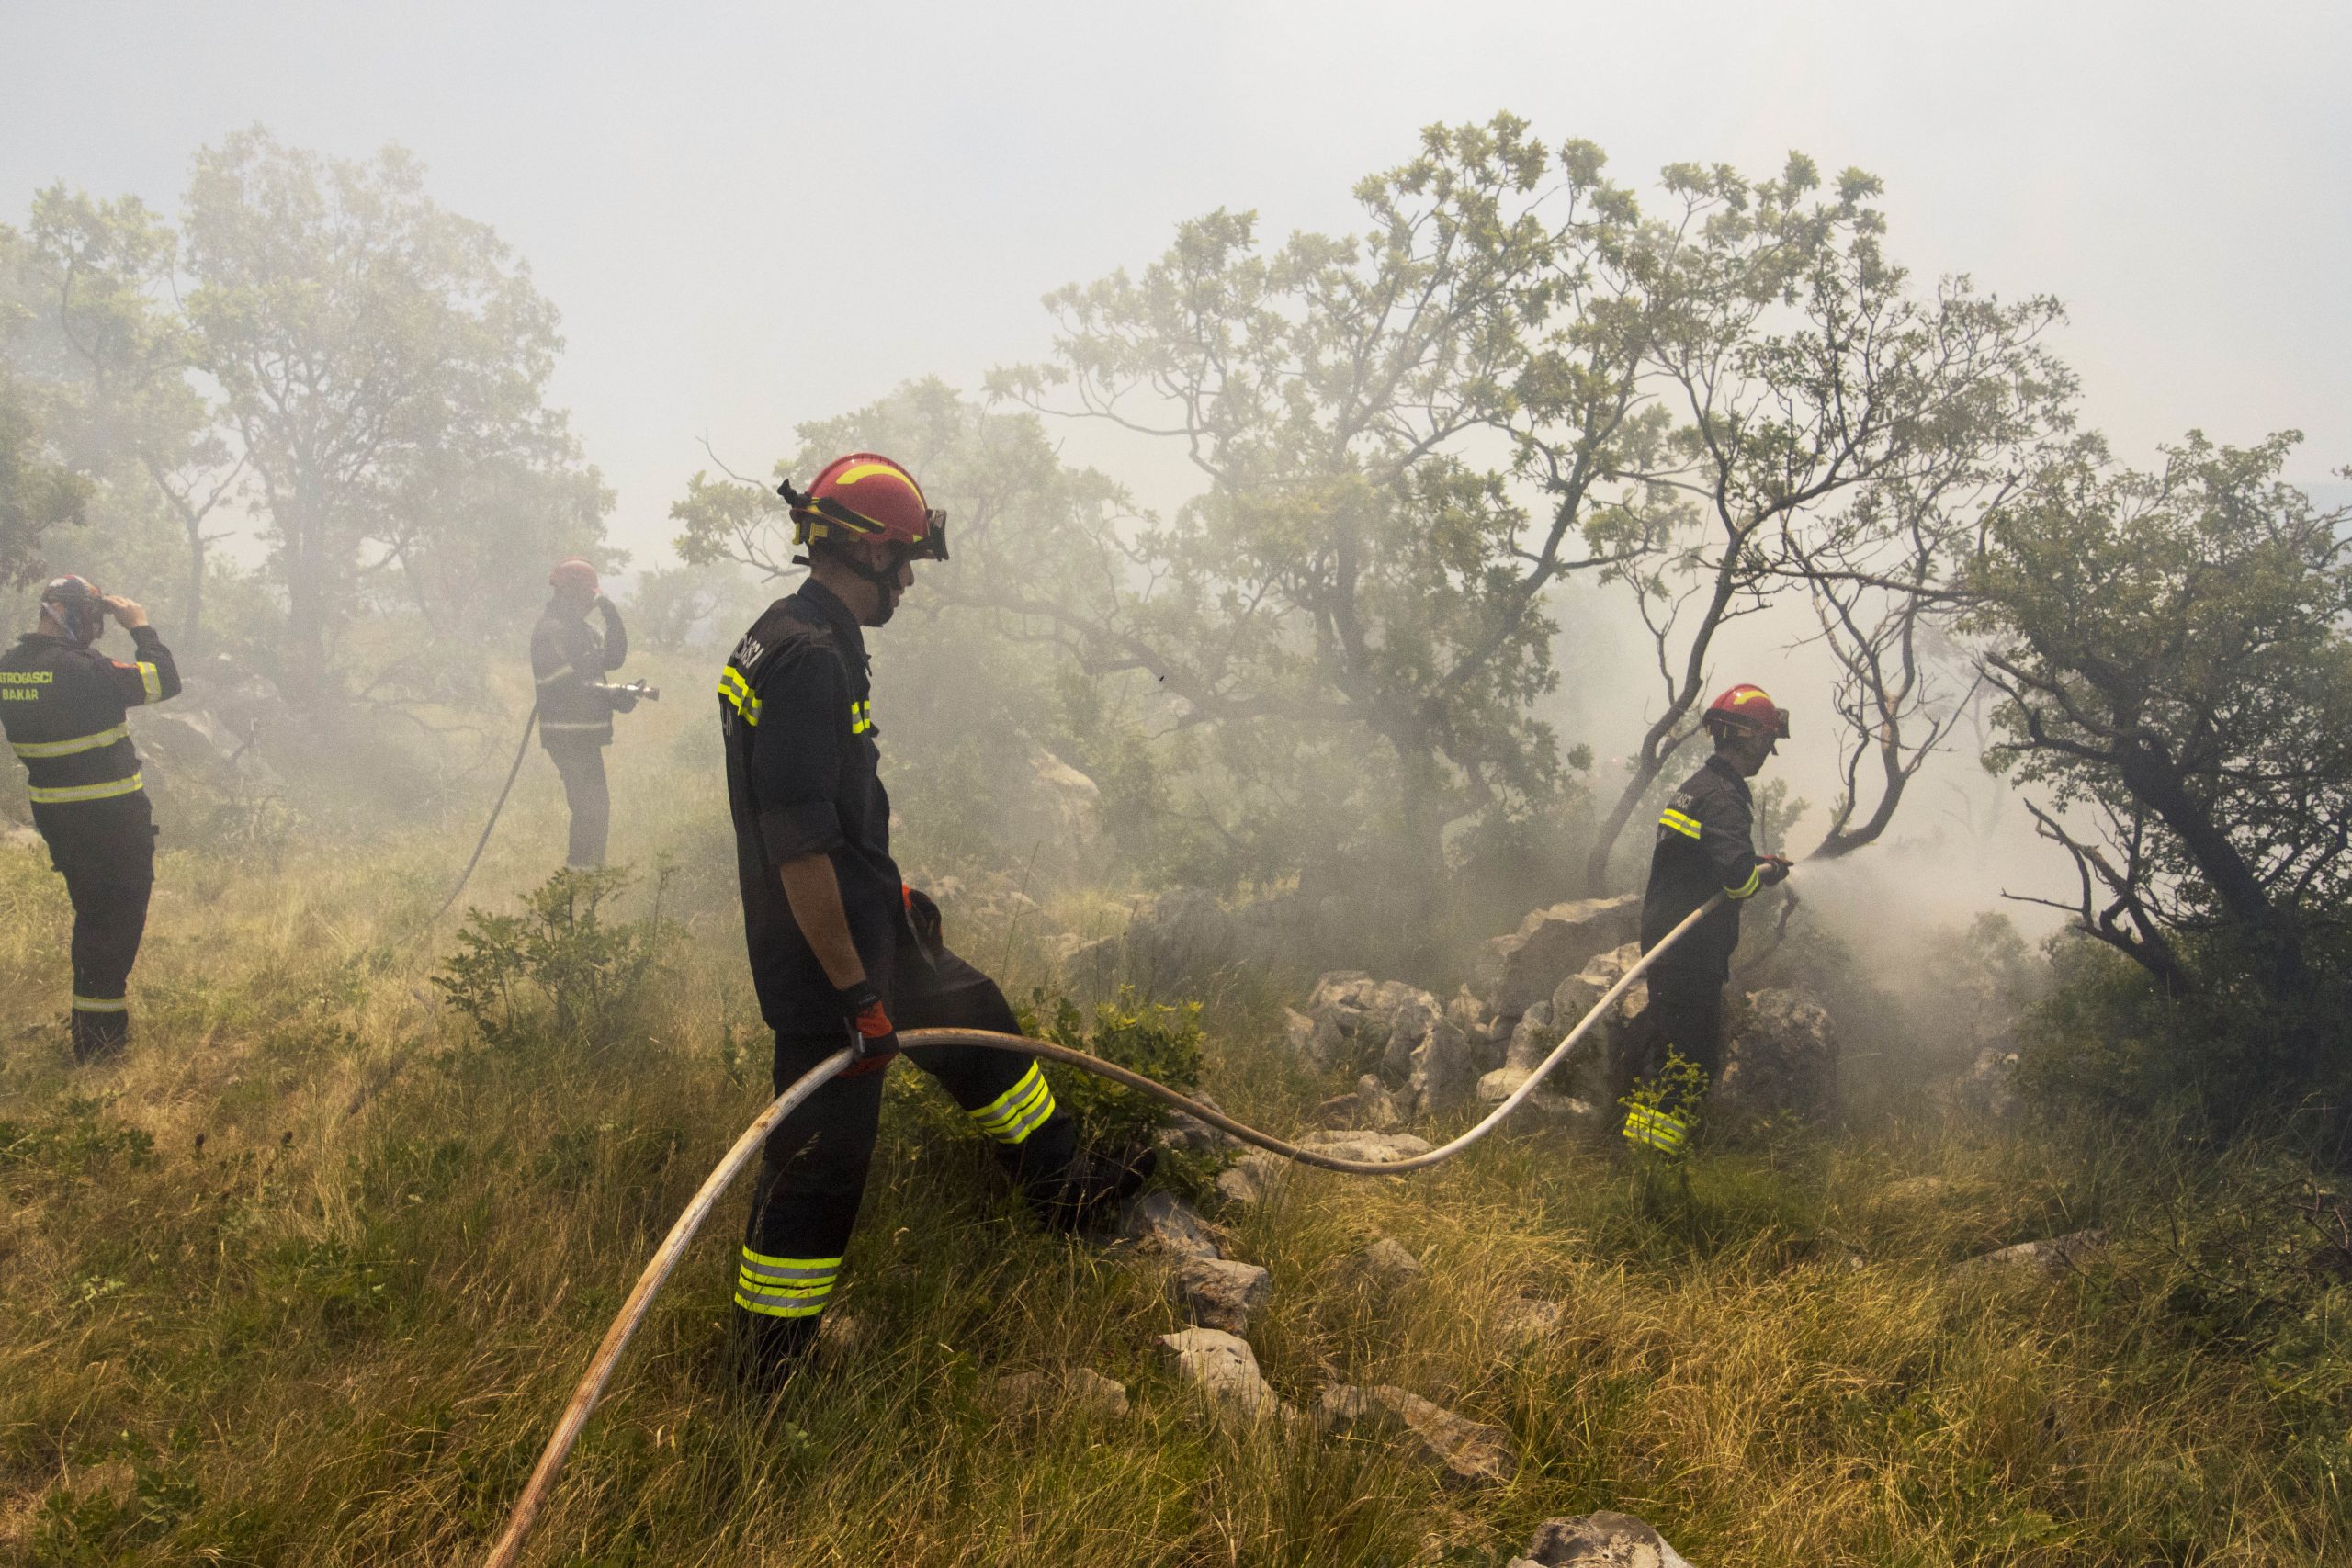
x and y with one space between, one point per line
1161 1041
37 492
558 968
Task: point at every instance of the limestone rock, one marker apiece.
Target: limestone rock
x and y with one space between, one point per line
1543 1105
1298 1036
1784 1058
1219 1292
1384 1265
1251 1179
1383 1148
1165 1223
1394 1031
1600 1540
1376 1107
1525 1321
1519 970
1987 1088
1078 1390
2059 1255
1581 992
1466 1452
1225 1369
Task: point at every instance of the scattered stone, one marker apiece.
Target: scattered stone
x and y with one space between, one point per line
1523 1321
1581 992
1248 1179
1339 1111
1466 1452
1523 968
1163 1222
1298 1036
1384 1265
1503 1082
1190 1133
1219 1292
1078 1390
1600 1540
1395 1032
1223 1368
1784 1058
1383 1148
2059 1255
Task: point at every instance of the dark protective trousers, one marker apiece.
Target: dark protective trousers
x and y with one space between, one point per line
582 767
812 1177
1685 1014
106 850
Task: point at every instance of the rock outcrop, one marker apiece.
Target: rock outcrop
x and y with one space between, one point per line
1396 1034
1465 1452
1385 1265
1783 1058
1076 1392
1164 1223
2059 1255
1525 967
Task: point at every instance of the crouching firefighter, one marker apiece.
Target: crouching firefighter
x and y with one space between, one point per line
1705 845
61 704
842 952
569 659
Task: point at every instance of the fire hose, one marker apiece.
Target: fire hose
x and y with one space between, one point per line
541 1484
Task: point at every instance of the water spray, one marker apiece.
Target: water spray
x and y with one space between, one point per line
657 1272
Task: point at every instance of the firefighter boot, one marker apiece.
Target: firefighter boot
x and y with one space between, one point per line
1071 1187
764 1352
99 1035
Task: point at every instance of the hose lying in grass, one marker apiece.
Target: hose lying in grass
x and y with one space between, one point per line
521 746
640 1299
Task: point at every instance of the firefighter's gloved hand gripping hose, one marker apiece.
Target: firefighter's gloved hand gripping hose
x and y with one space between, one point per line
665 1259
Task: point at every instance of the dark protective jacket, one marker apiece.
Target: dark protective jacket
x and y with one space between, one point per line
570 659
63 706
796 714
1705 845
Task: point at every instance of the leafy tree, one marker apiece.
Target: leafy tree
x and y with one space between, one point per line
113 355
2171 653
380 356
1410 437
37 492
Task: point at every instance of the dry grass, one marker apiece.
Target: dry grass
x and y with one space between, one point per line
308 1277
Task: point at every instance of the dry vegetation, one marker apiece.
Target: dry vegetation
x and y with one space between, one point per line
307 1279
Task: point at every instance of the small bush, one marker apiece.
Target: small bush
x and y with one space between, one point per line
1161 1042
559 964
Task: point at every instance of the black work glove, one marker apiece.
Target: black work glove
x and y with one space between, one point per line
1776 869
624 698
877 1037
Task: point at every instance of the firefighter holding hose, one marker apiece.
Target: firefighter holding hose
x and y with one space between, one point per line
63 705
570 659
1705 845
842 952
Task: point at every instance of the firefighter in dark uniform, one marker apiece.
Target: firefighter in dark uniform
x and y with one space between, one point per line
1705 845
570 659
61 704
842 951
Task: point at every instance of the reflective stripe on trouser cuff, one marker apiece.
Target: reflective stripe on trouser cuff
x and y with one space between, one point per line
101 1004
69 748
153 680
785 1287
1686 826
1747 888
1020 1111
1654 1128
602 725
71 793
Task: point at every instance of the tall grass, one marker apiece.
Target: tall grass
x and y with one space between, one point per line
307 1277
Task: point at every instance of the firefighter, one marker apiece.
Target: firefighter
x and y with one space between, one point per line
569 659
61 704
1705 845
842 951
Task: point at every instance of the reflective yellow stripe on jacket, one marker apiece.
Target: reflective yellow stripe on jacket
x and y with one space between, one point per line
69 748
153 680
737 694
72 793
1747 888
1681 822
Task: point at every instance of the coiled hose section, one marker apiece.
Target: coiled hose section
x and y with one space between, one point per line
536 1491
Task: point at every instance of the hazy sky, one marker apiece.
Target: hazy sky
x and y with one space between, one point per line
754 215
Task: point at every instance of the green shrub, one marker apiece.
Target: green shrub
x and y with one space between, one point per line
1159 1041
559 964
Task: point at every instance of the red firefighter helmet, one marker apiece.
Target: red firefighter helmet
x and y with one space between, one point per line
575 571
77 605
866 495
1747 707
